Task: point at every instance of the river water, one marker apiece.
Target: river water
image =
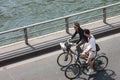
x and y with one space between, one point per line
17 13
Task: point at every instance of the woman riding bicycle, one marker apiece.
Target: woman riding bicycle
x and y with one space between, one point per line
82 37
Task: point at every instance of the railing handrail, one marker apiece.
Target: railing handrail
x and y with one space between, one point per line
43 22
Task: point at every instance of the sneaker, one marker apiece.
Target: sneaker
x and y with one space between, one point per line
87 62
90 72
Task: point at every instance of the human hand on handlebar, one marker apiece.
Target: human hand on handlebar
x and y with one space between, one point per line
70 42
74 44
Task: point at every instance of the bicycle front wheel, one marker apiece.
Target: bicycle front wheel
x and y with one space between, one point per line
100 63
64 59
72 71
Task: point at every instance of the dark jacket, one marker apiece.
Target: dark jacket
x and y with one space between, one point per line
80 31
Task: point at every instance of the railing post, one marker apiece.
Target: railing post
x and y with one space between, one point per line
25 36
67 25
104 15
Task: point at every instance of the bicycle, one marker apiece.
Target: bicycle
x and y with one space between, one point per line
65 58
74 70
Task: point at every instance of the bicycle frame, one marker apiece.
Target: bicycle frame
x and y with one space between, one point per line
66 47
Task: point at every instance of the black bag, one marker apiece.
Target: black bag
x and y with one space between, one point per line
97 47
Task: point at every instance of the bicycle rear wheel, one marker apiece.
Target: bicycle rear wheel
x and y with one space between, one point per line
64 59
72 71
100 63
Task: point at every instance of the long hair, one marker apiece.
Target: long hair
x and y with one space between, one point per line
77 24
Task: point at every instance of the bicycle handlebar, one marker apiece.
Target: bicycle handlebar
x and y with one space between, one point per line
71 43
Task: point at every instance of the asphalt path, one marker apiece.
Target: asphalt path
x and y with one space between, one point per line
45 67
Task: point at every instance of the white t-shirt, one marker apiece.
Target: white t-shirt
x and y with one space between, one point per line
91 43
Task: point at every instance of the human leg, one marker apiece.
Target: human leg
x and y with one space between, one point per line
84 55
79 44
90 62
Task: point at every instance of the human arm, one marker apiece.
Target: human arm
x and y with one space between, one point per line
91 45
74 35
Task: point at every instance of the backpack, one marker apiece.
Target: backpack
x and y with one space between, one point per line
97 47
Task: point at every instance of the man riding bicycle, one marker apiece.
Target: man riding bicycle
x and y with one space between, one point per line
90 51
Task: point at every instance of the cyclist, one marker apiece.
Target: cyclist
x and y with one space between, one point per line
90 51
82 37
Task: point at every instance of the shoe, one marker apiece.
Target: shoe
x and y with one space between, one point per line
90 72
87 62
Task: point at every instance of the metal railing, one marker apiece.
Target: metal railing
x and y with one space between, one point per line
24 30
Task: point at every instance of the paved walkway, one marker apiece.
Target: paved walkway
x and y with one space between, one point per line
38 43
45 67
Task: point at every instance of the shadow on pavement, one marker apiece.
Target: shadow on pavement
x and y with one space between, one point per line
103 75
62 68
